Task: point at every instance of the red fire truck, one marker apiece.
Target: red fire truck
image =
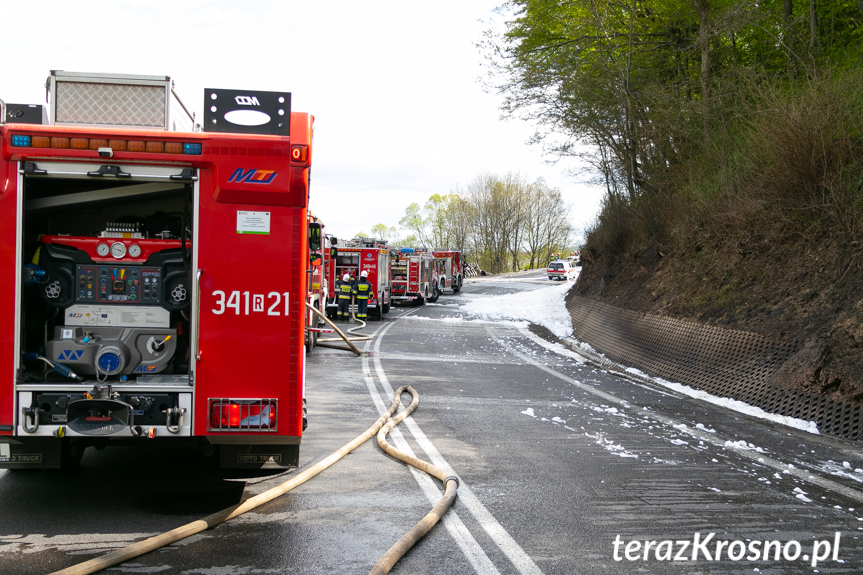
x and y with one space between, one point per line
414 277
354 257
449 270
162 272
316 296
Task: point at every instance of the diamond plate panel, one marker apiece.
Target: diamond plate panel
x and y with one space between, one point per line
111 104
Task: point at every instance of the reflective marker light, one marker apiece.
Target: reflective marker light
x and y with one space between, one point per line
242 414
300 153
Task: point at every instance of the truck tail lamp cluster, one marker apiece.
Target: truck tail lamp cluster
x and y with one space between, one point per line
242 414
99 144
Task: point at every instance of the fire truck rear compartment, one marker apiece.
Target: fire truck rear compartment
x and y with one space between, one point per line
133 325
74 335
138 351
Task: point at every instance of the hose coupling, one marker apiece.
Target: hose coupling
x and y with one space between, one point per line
451 478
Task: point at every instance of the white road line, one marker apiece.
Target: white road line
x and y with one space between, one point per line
462 536
453 523
710 438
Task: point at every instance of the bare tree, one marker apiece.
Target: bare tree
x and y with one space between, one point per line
492 221
459 213
501 223
547 228
518 197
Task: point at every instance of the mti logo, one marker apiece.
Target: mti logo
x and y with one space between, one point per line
253 176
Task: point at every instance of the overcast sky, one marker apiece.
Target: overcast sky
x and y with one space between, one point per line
394 86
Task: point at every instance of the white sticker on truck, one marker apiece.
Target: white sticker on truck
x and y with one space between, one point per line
253 222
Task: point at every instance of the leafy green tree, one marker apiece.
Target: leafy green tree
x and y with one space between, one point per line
387 233
637 87
414 221
410 241
440 223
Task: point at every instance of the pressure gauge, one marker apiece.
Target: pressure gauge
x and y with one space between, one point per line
134 251
103 250
118 250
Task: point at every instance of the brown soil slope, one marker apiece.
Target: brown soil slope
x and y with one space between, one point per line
811 292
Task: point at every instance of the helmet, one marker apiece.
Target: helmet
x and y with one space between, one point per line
364 274
346 277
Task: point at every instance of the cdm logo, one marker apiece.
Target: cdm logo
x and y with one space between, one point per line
252 176
247 100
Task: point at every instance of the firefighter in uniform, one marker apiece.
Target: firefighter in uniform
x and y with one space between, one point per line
363 291
344 289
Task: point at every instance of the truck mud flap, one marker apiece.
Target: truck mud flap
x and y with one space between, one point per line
259 456
31 453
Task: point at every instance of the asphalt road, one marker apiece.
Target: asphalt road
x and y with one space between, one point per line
564 468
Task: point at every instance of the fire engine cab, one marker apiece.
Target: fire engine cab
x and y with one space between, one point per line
363 255
161 272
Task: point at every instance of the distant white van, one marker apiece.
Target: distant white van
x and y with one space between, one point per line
561 269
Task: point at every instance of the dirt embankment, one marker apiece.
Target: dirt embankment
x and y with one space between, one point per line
811 292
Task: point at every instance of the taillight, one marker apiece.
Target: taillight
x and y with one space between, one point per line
243 414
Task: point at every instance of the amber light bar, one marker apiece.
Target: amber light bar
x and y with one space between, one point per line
96 144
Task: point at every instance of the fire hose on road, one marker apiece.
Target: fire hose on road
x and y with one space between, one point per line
450 483
380 428
342 335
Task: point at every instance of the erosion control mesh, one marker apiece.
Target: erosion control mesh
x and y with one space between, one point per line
723 362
